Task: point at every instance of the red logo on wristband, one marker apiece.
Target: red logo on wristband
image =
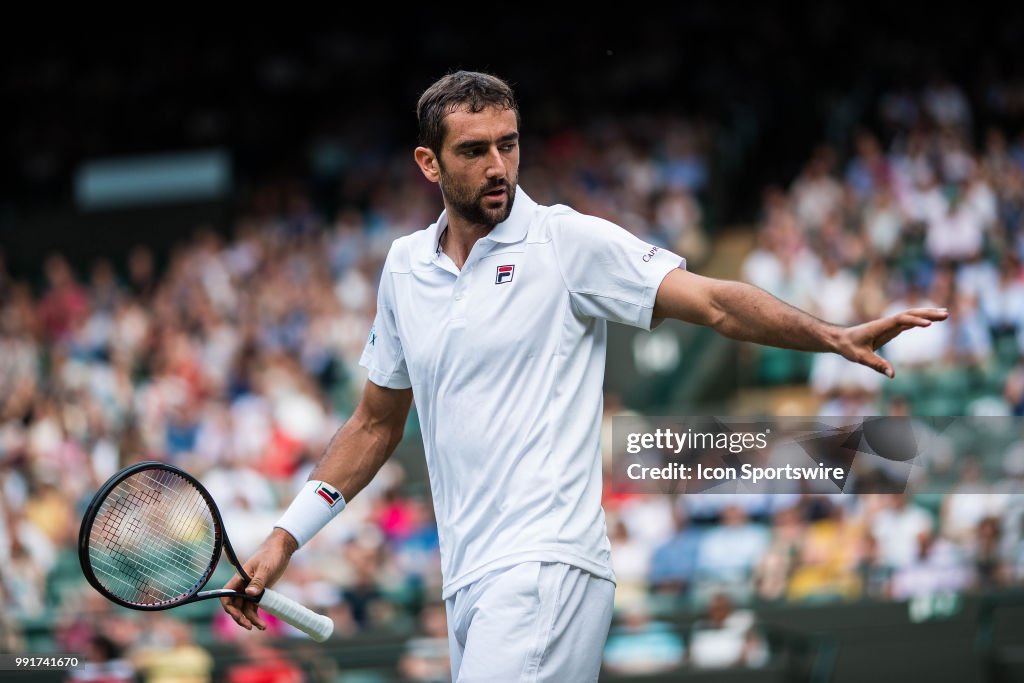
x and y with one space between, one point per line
329 494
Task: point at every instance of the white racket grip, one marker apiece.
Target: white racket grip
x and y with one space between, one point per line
316 626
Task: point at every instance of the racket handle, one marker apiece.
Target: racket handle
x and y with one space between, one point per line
316 626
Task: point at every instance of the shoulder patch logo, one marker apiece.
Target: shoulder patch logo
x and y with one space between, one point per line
504 274
372 339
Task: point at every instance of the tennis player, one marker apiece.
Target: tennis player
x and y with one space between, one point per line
494 320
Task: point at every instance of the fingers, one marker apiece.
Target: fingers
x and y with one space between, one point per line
257 583
876 362
933 314
908 320
251 612
255 588
235 607
263 568
242 611
888 329
878 333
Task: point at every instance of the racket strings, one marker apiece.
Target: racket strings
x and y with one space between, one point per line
141 567
132 529
114 534
150 562
146 497
153 539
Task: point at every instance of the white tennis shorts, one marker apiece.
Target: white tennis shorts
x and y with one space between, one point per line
536 621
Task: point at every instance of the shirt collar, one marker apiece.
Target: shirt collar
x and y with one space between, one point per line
511 230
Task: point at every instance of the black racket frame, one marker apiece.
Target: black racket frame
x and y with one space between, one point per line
220 542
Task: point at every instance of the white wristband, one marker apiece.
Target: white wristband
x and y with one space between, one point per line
317 503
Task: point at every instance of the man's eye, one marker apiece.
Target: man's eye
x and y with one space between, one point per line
508 147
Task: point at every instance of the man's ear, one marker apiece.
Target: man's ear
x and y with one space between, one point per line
428 163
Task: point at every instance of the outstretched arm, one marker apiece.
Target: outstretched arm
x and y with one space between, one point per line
354 456
748 313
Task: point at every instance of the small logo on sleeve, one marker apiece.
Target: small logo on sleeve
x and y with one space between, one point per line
504 274
372 339
328 493
650 255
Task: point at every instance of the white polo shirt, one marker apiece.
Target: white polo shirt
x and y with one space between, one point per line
506 363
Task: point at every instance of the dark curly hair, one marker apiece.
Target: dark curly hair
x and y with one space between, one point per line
471 89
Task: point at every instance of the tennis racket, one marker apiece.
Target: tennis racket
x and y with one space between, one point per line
152 537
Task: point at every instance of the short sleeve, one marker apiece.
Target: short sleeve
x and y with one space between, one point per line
610 273
383 355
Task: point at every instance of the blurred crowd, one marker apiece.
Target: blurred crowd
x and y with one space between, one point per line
917 214
722 555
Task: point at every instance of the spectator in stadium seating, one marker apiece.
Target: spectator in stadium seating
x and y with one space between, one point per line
971 500
832 298
867 173
1003 303
262 663
843 391
170 654
425 659
65 303
631 558
954 160
683 166
678 219
786 268
1013 390
1011 521
991 569
871 297
946 104
674 562
648 518
638 645
780 558
970 343
362 594
726 637
142 276
955 227
898 528
1011 211
10 630
23 579
884 221
729 551
938 566
103 663
816 194
829 558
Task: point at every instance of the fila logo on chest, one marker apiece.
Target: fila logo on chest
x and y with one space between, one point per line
504 274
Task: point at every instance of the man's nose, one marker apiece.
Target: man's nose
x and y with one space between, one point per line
495 163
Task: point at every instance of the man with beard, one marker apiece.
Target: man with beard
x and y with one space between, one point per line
494 320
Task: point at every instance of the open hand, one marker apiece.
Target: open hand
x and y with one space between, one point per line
859 343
